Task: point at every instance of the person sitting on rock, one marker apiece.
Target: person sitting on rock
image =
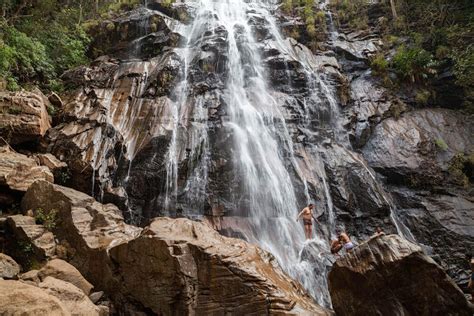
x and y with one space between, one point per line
308 216
345 240
336 246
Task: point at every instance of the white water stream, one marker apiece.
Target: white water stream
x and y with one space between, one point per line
263 150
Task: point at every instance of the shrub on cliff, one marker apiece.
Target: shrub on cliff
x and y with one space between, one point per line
413 63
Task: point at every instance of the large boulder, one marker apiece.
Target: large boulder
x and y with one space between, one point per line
88 228
75 301
18 172
17 298
9 269
30 237
62 270
186 267
23 116
388 275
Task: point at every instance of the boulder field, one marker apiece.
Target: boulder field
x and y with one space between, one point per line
185 267
171 266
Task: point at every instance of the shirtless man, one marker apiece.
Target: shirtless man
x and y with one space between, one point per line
345 241
307 214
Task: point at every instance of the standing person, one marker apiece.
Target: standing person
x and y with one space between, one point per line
308 215
345 240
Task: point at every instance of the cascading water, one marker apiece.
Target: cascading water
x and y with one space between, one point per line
263 150
270 176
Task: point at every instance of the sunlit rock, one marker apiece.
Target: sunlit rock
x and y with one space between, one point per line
9 269
23 116
193 269
18 172
88 228
388 275
17 298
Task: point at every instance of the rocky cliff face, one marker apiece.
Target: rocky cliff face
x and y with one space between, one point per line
206 109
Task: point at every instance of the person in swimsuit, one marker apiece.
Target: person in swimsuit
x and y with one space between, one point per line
308 216
345 241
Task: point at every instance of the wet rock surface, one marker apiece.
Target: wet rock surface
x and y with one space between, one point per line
196 270
193 268
419 144
388 275
417 156
139 33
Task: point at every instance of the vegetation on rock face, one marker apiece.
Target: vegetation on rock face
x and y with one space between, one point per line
46 218
39 40
432 41
461 169
312 19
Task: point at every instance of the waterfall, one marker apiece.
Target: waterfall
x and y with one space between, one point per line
262 147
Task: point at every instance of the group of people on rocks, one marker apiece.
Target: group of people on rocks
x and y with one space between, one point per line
342 241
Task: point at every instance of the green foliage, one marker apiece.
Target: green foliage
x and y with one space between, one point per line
167 3
314 21
422 96
351 13
46 218
24 58
442 52
25 247
413 63
459 168
464 67
441 144
379 65
287 6
51 109
63 176
39 40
